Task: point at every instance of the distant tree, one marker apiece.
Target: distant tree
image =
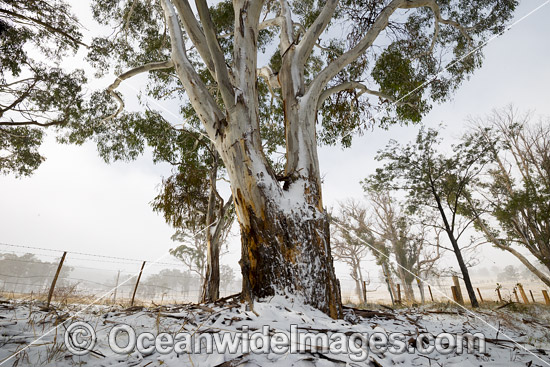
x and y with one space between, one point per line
168 281
395 229
528 275
408 241
27 273
227 276
509 273
434 183
352 239
190 202
35 91
515 211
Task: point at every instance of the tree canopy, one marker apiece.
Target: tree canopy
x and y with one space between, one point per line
35 90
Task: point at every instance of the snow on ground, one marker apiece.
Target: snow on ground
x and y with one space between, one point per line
22 323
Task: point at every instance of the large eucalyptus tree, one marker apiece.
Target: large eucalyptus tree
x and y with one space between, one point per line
329 66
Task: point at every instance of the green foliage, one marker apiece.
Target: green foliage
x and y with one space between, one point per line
412 59
34 91
406 62
431 179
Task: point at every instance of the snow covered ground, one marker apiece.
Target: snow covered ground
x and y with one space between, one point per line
22 323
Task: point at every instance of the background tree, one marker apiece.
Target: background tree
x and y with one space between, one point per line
435 182
389 52
168 282
353 238
227 277
514 212
190 201
407 238
349 248
509 273
35 91
394 228
26 273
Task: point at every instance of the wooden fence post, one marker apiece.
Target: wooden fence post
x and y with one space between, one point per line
455 293
523 295
458 290
431 295
52 287
398 293
480 297
389 284
116 287
499 295
546 298
532 297
516 294
137 283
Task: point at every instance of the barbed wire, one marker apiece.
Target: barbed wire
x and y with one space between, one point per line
85 254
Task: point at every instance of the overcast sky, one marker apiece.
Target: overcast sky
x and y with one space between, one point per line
76 202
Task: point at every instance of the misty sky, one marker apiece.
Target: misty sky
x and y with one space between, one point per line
76 202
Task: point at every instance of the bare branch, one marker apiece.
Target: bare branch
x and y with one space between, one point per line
357 85
270 78
130 73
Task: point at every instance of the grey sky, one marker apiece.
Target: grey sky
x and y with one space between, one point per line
76 202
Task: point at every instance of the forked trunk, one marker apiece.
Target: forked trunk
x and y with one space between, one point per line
284 228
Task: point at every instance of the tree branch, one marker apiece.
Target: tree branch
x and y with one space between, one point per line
202 101
313 33
381 22
222 74
195 33
46 26
127 75
287 38
357 85
329 72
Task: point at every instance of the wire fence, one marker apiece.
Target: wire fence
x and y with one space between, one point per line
27 271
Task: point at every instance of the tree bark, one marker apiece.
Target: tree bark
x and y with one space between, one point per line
456 250
420 284
285 239
464 271
215 222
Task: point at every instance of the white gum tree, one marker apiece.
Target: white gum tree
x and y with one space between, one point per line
327 87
